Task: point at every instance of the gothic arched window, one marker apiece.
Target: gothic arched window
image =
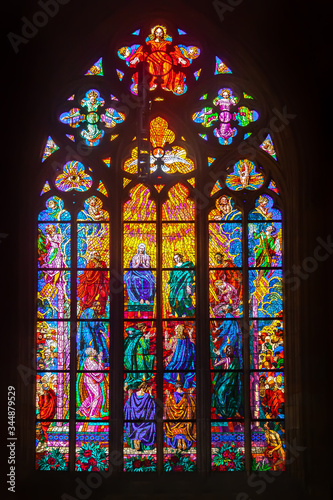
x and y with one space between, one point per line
159 266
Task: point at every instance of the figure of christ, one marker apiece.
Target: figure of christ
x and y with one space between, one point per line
91 333
227 392
227 271
161 62
140 281
265 250
226 299
274 450
181 283
93 284
180 407
139 413
47 403
92 387
180 365
137 355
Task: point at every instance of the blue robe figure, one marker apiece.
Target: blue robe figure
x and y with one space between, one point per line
91 333
139 411
140 282
181 364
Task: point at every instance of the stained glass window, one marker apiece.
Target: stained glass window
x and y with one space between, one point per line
181 365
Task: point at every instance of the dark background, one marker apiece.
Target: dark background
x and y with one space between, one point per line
289 44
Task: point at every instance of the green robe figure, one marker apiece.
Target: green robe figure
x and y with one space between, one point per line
181 287
266 249
137 357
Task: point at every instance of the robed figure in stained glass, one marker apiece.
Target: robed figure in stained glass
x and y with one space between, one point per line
92 387
140 406
181 283
162 60
182 360
180 406
227 390
93 284
137 355
140 281
91 333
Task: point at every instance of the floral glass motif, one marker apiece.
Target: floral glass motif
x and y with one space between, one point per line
227 116
164 157
89 117
73 177
163 59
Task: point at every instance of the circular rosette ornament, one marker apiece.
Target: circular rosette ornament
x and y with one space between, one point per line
92 117
73 177
227 114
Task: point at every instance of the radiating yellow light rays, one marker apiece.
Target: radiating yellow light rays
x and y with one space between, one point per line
135 235
224 239
178 238
139 207
178 206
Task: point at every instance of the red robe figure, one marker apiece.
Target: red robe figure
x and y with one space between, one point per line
93 284
161 61
47 404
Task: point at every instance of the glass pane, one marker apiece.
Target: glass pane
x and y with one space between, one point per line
179 446
52 445
178 245
268 446
92 390
227 446
53 298
54 251
139 294
52 397
92 334
226 345
93 245
266 344
139 246
225 245
225 294
140 347
267 395
139 447
178 293
265 289
53 339
93 300
92 446
265 245
227 394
